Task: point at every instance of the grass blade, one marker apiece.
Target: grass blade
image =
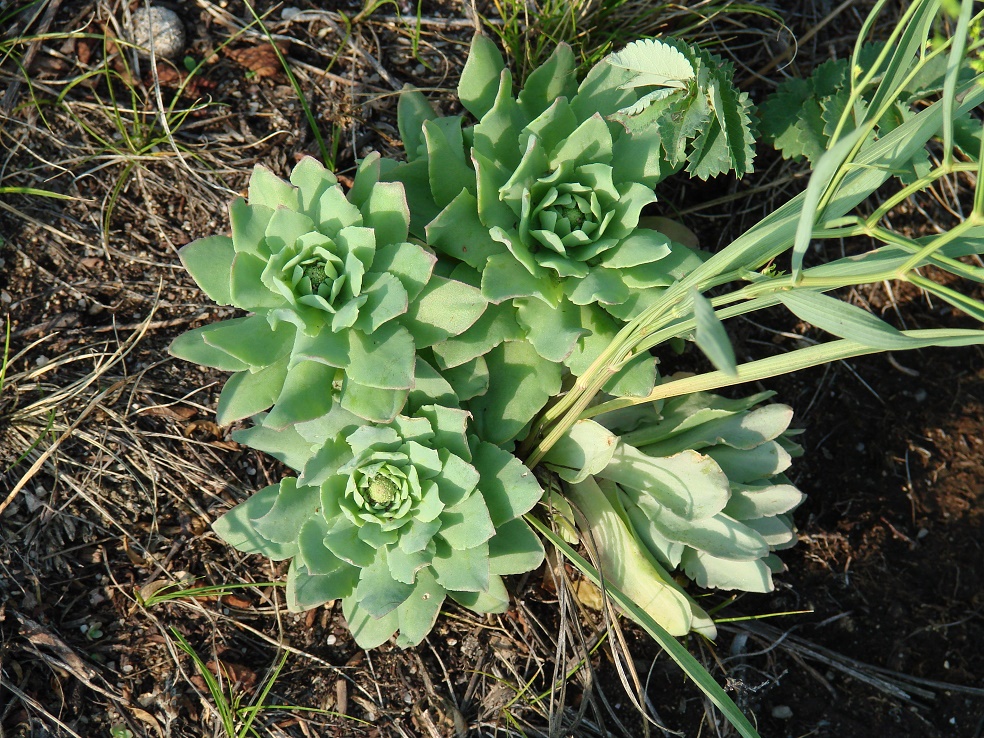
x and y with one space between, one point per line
691 666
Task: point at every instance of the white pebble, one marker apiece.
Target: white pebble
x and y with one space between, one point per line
782 712
164 26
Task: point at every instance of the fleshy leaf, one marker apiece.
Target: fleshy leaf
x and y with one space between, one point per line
479 81
209 261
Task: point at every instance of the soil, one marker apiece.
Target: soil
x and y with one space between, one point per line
114 467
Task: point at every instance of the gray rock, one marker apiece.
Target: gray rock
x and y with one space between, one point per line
165 26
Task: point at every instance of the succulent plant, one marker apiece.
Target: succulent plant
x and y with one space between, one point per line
695 484
340 301
702 481
392 518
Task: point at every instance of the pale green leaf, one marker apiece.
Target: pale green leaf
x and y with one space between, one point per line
711 337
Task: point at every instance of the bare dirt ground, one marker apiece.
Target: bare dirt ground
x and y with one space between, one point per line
112 468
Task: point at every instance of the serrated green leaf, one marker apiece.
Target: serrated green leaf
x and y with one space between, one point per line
515 549
652 62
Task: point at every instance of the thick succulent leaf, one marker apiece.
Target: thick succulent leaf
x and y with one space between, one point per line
343 540
555 78
497 324
368 174
777 531
292 508
448 425
719 536
191 346
509 487
622 562
447 170
251 340
326 347
286 445
378 592
462 570
490 176
495 135
419 612
311 179
585 449
689 484
708 571
515 549
467 524
248 224
590 143
635 379
312 552
306 590
429 387
444 308
412 110
600 285
458 232
246 287
520 383
665 550
468 380
479 81
387 213
761 462
369 632
742 430
248 393
307 394
372 403
504 278
636 157
416 179
236 526
552 331
384 359
642 246
266 188
457 481
209 261
495 600
603 90
408 262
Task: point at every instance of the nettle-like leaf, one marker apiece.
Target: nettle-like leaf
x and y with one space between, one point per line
391 519
686 105
801 116
339 300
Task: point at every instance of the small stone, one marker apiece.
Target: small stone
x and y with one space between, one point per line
164 26
782 712
331 640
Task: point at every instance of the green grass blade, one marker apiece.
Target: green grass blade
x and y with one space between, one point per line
691 666
793 361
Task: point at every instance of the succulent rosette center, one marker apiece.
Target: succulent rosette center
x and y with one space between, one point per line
382 492
564 217
310 272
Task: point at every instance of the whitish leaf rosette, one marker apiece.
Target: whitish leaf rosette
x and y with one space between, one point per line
699 481
340 301
391 520
702 481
